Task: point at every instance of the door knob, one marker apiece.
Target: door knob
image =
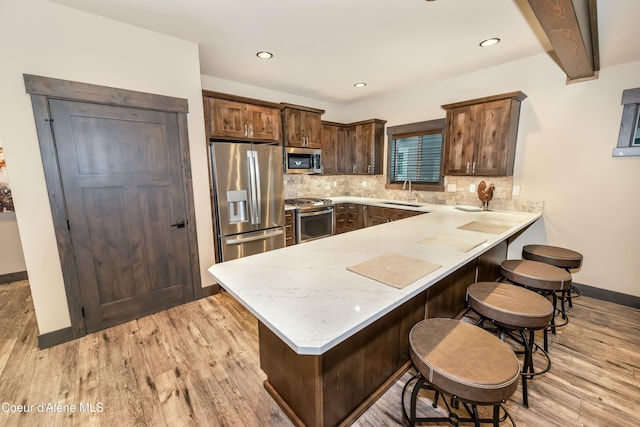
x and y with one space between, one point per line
180 224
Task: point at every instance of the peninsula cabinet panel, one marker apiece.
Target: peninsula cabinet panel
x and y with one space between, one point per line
480 136
447 297
238 120
336 387
302 126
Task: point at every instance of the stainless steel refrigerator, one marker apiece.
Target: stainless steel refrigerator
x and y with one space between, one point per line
248 198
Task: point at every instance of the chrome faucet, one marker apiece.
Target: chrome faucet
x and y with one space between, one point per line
404 186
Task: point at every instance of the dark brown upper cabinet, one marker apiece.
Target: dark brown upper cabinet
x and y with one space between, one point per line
332 137
302 126
233 117
353 149
480 135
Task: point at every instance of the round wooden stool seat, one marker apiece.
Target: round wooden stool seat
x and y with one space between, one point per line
464 360
535 274
554 255
511 306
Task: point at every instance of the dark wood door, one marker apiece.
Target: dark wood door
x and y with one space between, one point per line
125 199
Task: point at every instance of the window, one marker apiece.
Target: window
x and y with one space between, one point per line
629 137
415 154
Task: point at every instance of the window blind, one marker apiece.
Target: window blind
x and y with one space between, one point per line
416 158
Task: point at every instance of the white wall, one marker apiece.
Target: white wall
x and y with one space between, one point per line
563 157
565 139
11 258
46 39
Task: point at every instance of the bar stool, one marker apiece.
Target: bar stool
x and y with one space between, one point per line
514 309
543 278
465 362
559 257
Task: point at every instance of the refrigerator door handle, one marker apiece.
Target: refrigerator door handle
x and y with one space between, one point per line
262 236
252 187
257 187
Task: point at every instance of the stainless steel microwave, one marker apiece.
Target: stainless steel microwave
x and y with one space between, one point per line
302 160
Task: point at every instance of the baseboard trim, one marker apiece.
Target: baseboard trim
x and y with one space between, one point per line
210 290
13 277
54 338
610 296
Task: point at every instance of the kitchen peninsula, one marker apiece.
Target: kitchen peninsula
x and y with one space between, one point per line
331 341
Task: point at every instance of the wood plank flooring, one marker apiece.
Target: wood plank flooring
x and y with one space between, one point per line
198 365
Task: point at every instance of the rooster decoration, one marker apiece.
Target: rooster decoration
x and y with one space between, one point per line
485 194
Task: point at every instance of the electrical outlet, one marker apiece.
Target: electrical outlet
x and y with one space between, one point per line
516 190
472 188
335 184
364 183
451 188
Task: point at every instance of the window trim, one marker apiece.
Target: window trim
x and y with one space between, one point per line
428 126
628 124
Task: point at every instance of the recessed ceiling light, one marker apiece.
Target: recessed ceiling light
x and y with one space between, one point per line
360 84
263 54
490 42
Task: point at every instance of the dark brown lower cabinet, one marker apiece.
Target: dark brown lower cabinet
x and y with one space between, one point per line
289 227
336 387
349 217
376 215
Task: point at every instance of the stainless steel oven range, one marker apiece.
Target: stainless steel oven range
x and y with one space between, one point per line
314 218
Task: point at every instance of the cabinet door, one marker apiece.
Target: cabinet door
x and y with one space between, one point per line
303 128
293 127
329 136
378 215
347 152
490 152
311 126
340 215
263 122
227 118
364 149
355 216
459 141
289 228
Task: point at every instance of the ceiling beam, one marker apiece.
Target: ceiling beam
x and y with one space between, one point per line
572 28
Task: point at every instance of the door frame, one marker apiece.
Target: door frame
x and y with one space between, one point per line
42 89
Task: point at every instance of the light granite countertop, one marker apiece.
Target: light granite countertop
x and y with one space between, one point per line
307 297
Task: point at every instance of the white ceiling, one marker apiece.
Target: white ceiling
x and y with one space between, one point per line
322 47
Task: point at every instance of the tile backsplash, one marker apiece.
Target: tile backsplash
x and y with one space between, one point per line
374 186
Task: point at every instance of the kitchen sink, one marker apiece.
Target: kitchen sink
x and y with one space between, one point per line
411 205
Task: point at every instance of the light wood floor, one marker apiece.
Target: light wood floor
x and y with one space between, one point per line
198 365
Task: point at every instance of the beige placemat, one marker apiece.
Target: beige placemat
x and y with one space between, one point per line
455 242
485 227
394 269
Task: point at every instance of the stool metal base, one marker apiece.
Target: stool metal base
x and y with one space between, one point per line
453 419
526 340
